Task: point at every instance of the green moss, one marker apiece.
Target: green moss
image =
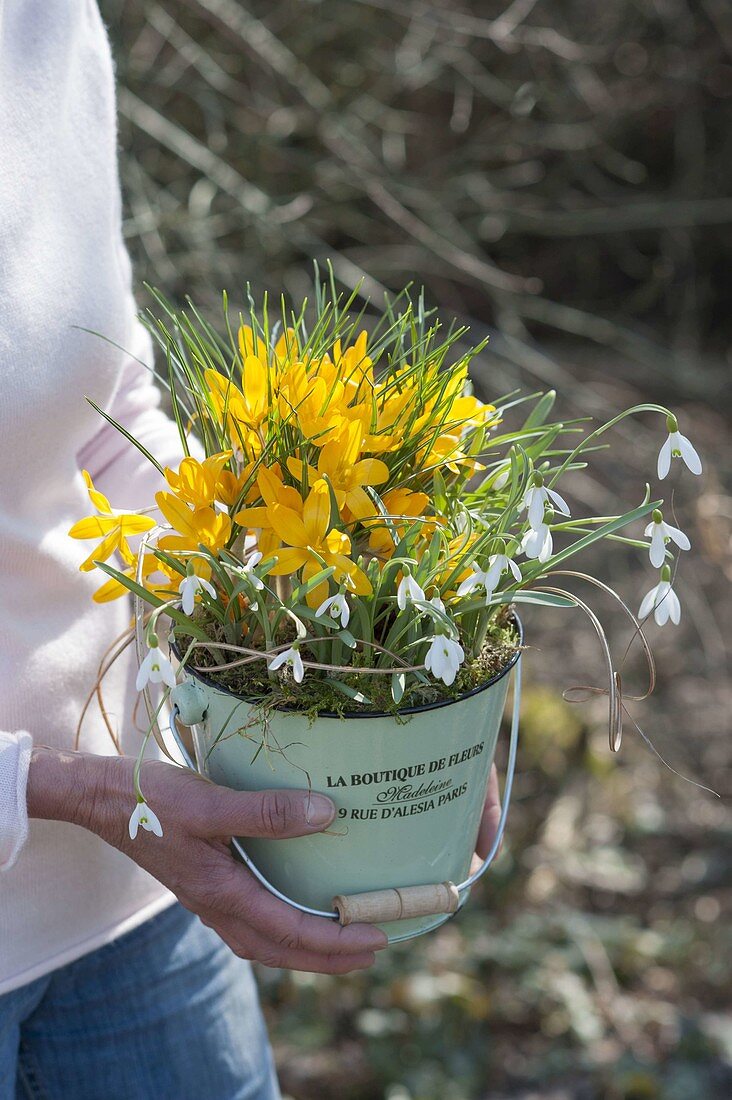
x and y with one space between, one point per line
318 695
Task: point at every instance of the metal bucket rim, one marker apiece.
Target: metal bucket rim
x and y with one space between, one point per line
209 682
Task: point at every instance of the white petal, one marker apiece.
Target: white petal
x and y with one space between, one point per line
650 529
280 660
167 673
515 569
545 552
657 550
664 459
559 501
467 586
528 543
345 613
325 605
143 672
492 576
135 820
448 675
661 612
689 455
152 824
402 594
536 506
189 599
647 603
678 537
298 670
674 607
209 588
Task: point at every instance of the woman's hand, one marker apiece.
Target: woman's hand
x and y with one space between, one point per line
193 859
488 822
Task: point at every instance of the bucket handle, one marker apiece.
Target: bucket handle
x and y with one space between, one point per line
408 901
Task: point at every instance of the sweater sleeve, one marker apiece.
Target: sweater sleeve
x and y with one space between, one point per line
118 469
129 480
15 752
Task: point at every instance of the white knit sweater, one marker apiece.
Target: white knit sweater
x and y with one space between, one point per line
63 891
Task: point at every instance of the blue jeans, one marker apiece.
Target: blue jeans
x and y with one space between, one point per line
166 1012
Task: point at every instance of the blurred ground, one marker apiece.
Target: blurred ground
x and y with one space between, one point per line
558 174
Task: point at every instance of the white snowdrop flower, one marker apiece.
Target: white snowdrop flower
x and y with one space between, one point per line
677 446
461 523
501 476
292 658
537 543
489 578
337 607
155 668
662 600
659 531
537 496
247 570
475 580
143 815
408 591
444 658
437 603
188 588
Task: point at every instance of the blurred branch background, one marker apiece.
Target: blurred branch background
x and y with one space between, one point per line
557 175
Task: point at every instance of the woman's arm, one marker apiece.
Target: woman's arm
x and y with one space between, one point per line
193 858
15 752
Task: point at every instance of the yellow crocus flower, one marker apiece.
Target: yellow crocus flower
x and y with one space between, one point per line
285 350
112 526
403 507
354 366
230 485
308 537
339 461
243 414
272 491
194 526
197 482
113 588
318 407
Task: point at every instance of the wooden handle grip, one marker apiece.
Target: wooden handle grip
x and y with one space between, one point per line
397 904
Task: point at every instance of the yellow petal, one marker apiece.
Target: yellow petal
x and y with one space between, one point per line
346 568
248 345
288 525
320 592
131 523
360 504
370 471
98 499
110 590
274 492
177 514
289 560
92 527
104 550
254 385
252 517
316 513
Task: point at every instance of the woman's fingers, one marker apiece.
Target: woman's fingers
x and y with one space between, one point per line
289 928
489 821
276 814
250 944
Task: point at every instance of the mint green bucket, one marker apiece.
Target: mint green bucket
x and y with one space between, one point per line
409 793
